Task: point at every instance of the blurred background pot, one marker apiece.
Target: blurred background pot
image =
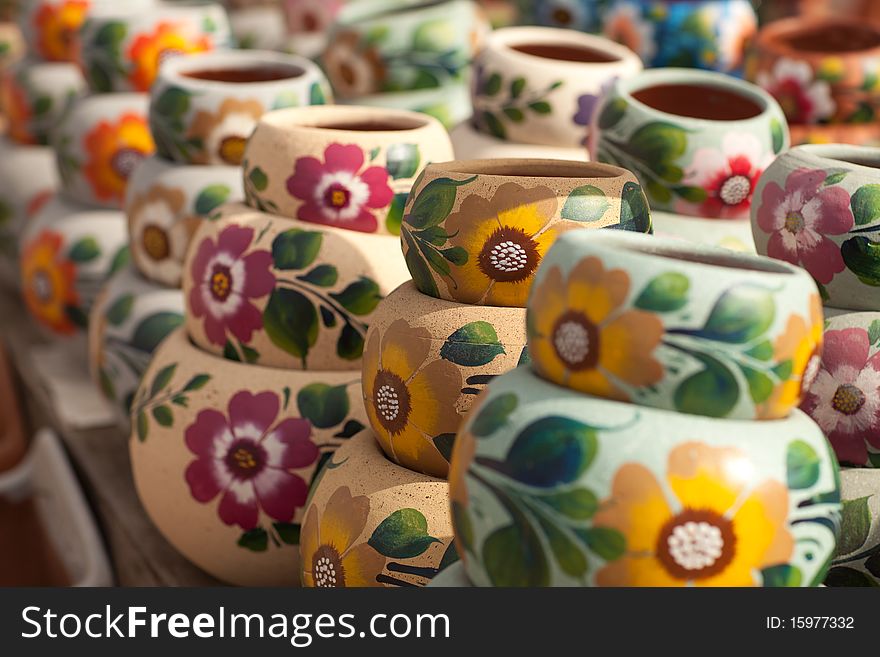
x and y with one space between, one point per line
733 234
449 104
469 144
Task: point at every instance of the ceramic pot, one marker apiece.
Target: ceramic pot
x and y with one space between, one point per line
706 34
127 323
856 562
282 293
12 46
373 523
68 252
258 28
622 495
674 325
348 167
231 501
204 107
815 207
469 144
854 134
36 96
165 204
733 234
453 576
476 231
425 361
541 85
449 104
820 69
121 47
99 144
583 15
401 45
697 140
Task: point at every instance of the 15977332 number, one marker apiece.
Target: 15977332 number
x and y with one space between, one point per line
810 623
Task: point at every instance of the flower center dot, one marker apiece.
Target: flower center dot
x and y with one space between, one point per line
221 283
508 256
735 190
391 401
125 160
327 568
572 342
155 241
848 399
696 544
388 403
794 222
245 459
231 150
337 197
42 286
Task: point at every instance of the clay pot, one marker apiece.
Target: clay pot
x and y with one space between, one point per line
127 323
401 45
449 104
12 45
258 28
425 361
541 85
734 234
373 523
165 204
817 206
475 231
706 34
549 487
121 47
13 444
820 69
204 107
469 144
856 562
674 325
697 140
99 144
295 157
283 293
231 500
855 134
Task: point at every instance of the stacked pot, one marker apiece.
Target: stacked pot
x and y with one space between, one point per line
535 90
815 207
243 407
654 440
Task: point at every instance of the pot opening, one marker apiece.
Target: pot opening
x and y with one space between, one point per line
831 37
372 125
268 72
871 164
566 53
699 101
534 169
30 559
732 261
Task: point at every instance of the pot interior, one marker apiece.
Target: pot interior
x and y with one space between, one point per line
371 124
566 52
832 37
715 259
699 101
533 169
29 559
268 72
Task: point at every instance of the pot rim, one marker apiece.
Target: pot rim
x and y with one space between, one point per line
505 40
770 38
493 169
856 157
324 119
357 14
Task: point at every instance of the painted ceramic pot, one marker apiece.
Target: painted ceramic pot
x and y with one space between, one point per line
127 323
449 104
857 562
820 69
401 45
469 144
258 28
121 47
541 86
673 325
818 206
706 34
68 252
36 96
552 488
475 231
165 204
12 45
347 167
733 234
854 134
224 455
583 15
283 293
698 140
99 144
204 107
373 523
425 361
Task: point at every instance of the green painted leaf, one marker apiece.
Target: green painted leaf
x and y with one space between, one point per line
464 529
494 124
418 268
286 98
77 316
162 379
577 504
472 345
784 575
211 198
403 160
322 276
659 144
777 134
741 315
296 248
635 215
351 428
150 333
288 532
457 255
844 576
569 556
692 194
120 310
42 105
541 107
862 258
449 557
395 213
666 293
866 204
350 345
713 391
517 87
802 465
163 415
658 192
198 382
402 535
120 260
514 556
256 540
874 332
608 543
762 351
317 95
444 444
760 385
172 103
612 113
855 525
291 322
85 250
323 405
143 426
493 415
836 178
587 203
258 179
493 84
433 204
359 298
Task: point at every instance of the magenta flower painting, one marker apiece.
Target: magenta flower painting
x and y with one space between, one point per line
339 191
246 457
800 217
224 282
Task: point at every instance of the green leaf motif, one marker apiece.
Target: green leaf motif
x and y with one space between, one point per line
569 556
517 87
255 540
296 248
121 259
85 250
713 391
865 204
198 382
143 426
403 160
855 525
162 379
322 276
514 556
395 213
418 268
862 258
444 444
836 178
317 95
494 124
402 535
493 84
612 113
514 114
493 415
576 504
741 315
172 103
211 198
802 465
666 293
291 322
434 203
323 405
587 203
286 98
464 528
777 134
784 575
760 385
350 345
635 215
163 415
77 316
351 428
288 532
120 310
359 298
874 332
608 543
541 107
659 144
258 179
150 333
472 345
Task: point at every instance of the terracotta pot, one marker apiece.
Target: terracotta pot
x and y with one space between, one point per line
204 107
283 293
425 361
401 45
612 489
127 323
230 500
541 85
13 444
855 134
454 576
476 231
733 234
121 47
260 28
12 45
449 104
820 69
674 325
165 204
373 523
99 143
469 144
706 34
817 206
856 562
349 167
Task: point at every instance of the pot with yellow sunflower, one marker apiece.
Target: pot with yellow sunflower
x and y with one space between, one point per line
165 203
857 561
425 362
665 323
341 166
550 487
372 523
204 107
99 144
224 456
475 231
